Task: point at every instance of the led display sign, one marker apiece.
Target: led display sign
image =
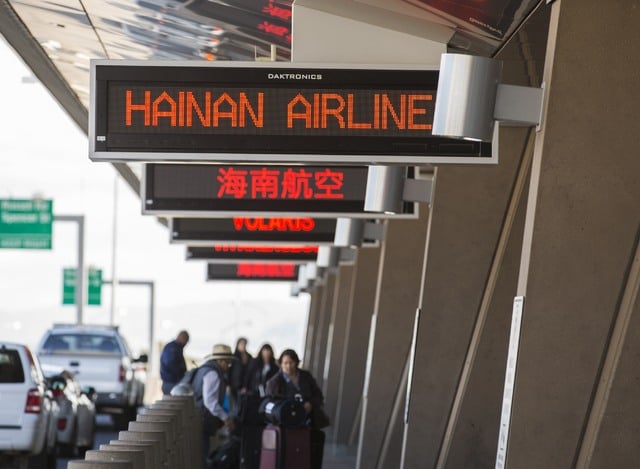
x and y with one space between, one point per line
209 231
222 253
276 112
253 271
204 190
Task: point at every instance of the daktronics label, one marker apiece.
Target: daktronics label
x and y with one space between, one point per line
254 253
253 271
252 229
277 112
294 76
254 190
264 111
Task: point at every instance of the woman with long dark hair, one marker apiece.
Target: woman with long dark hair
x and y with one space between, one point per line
261 369
238 372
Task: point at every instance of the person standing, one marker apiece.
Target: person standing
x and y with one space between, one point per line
261 369
291 382
238 373
209 389
172 364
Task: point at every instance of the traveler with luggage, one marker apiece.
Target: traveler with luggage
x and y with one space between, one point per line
209 389
286 447
292 382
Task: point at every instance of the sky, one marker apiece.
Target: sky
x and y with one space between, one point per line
44 154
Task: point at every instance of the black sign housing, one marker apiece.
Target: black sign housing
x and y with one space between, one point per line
277 112
280 272
211 190
243 230
294 254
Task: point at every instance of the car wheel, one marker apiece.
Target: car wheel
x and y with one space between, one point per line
43 460
50 459
83 449
121 421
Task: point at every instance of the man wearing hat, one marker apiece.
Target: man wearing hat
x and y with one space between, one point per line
209 387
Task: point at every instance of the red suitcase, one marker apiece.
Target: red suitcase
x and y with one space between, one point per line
296 448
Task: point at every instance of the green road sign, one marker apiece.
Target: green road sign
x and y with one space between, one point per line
69 286
94 287
25 224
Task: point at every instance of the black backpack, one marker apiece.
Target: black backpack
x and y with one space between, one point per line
226 456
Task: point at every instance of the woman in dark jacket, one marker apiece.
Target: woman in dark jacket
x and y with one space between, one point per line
238 372
291 382
261 369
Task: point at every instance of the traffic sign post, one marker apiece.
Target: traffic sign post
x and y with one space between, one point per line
69 286
94 286
26 223
79 297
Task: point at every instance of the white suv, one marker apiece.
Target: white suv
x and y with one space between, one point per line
28 413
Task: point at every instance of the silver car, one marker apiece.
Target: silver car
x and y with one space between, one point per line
76 424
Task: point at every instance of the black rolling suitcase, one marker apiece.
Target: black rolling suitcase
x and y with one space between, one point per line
317 448
250 447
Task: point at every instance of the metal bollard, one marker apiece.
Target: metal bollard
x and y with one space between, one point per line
134 457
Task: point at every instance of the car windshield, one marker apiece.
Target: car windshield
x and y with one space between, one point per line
10 367
94 343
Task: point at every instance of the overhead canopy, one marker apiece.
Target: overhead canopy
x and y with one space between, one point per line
58 38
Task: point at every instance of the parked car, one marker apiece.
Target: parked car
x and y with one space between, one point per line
76 422
28 412
99 357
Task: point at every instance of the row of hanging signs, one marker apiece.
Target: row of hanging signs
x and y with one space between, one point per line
253 163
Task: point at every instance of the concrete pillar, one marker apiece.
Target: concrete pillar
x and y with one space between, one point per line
312 324
470 279
147 447
135 457
354 354
469 286
81 464
336 341
174 431
191 419
155 438
575 401
163 428
397 296
145 451
322 329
